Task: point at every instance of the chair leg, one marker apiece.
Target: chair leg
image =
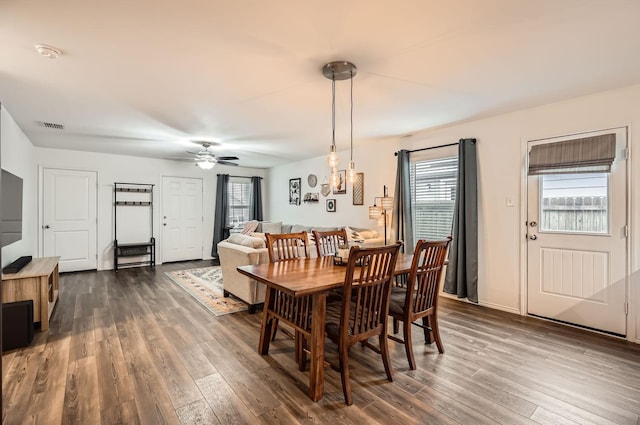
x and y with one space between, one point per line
344 374
386 360
436 333
395 326
426 327
300 355
274 329
408 344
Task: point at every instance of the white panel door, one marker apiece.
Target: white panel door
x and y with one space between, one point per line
577 255
181 219
69 226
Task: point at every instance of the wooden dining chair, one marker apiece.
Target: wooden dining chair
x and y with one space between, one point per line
419 298
279 306
327 243
364 308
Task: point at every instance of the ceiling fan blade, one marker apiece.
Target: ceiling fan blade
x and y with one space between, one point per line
181 159
227 158
233 164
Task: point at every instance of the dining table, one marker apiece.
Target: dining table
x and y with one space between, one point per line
313 277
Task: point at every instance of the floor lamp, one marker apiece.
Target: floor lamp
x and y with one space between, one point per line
381 211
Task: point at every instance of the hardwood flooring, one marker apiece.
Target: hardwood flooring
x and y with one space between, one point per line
133 348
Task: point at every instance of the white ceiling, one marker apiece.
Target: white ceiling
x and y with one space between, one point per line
146 77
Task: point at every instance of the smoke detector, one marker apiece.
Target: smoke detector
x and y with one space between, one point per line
48 51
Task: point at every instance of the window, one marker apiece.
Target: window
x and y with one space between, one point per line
433 196
238 201
574 203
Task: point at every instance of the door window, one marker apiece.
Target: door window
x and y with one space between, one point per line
575 203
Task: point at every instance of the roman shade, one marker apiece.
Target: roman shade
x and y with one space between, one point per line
586 155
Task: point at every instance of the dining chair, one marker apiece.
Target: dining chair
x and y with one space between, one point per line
279 306
363 310
418 299
327 243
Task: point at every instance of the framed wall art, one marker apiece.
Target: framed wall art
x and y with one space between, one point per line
358 189
341 187
331 205
294 191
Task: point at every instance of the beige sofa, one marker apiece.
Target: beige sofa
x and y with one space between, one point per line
241 250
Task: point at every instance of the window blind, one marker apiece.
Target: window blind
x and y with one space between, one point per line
239 198
586 155
433 195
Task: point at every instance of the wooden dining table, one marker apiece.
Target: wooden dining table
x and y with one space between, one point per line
314 277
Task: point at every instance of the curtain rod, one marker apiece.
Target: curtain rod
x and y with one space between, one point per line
436 147
245 177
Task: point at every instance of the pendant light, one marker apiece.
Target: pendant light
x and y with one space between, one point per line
339 70
351 171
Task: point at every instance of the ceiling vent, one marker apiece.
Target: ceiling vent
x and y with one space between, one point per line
53 125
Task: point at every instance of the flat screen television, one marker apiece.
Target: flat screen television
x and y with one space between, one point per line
11 208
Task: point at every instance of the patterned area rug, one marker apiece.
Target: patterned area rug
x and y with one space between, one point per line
205 285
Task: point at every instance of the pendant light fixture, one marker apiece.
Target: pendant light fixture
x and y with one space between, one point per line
339 70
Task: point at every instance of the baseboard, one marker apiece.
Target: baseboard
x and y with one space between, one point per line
483 304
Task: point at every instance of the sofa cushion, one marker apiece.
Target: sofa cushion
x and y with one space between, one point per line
246 240
286 228
297 228
275 227
249 227
368 234
352 234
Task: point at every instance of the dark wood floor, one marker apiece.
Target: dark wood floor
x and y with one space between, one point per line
133 348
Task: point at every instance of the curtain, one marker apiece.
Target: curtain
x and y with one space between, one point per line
255 207
402 219
220 225
462 271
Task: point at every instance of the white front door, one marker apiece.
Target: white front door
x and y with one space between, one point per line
181 219
69 205
577 248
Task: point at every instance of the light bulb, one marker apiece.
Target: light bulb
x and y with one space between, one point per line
333 157
351 173
334 181
205 165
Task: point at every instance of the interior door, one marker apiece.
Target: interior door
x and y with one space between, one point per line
69 218
181 219
577 248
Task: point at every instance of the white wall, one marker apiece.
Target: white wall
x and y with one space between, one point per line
378 166
18 159
120 168
500 168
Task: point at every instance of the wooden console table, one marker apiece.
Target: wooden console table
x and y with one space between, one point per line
37 281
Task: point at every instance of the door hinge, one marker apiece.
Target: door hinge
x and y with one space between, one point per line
626 230
626 153
626 309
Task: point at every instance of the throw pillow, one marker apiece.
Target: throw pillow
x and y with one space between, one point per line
268 227
352 235
297 228
250 227
245 240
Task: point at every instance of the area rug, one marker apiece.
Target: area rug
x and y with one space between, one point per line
205 285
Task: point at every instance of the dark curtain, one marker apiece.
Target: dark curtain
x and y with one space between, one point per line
255 208
220 231
462 271
402 219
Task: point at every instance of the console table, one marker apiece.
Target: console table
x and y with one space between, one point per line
37 281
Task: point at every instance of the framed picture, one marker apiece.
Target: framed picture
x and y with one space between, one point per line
294 191
331 205
341 187
358 189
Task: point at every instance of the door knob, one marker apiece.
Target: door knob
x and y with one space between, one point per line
164 224
46 226
533 237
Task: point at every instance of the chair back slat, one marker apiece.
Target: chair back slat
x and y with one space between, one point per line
426 270
327 243
287 246
365 301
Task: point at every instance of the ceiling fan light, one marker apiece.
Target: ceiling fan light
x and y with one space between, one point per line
205 165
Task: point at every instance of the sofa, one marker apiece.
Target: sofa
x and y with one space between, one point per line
247 249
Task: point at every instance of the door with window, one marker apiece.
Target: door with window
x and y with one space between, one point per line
181 219
576 230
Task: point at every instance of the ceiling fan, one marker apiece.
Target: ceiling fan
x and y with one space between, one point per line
206 159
